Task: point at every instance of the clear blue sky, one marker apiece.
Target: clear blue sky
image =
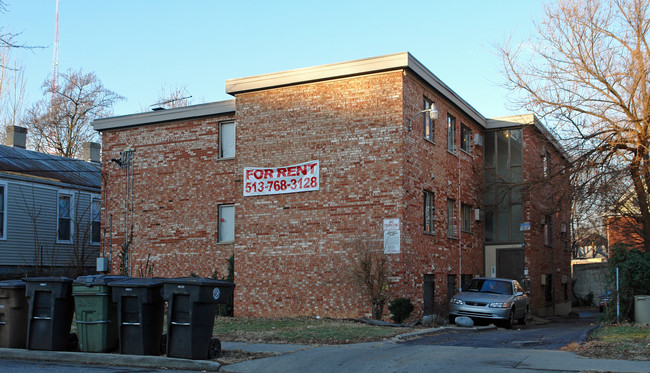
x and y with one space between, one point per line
135 47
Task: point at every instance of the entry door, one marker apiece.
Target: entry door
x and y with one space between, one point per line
510 264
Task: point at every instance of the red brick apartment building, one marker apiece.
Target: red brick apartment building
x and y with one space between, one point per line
302 163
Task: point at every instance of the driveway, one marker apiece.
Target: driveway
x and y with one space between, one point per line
552 335
529 348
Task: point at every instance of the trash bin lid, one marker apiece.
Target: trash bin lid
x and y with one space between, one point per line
199 281
12 284
138 282
98 280
48 279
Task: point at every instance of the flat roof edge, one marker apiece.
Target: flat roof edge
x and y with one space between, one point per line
185 112
317 73
371 65
418 68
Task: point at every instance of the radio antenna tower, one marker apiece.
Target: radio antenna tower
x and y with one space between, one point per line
55 59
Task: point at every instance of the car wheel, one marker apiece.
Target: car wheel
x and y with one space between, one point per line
452 319
524 318
511 319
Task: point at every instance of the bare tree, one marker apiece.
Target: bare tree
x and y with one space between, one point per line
60 122
586 71
174 97
370 273
12 89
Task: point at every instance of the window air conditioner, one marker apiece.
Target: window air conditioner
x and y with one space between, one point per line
478 139
543 279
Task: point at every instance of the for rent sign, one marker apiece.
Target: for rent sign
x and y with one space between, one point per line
280 180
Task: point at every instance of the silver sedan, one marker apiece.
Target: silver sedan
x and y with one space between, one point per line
491 298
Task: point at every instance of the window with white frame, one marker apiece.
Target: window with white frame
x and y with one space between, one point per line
451 133
465 138
65 224
95 220
466 221
227 140
452 231
429 212
428 122
227 223
3 211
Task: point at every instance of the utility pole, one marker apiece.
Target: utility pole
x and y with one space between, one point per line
55 59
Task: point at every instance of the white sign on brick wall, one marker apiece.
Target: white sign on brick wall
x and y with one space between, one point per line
302 177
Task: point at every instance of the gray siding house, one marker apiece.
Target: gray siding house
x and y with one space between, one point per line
49 210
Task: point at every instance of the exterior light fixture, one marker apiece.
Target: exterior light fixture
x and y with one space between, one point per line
432 112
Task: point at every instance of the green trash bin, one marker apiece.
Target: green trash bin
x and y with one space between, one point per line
192 304
96 314
50 313
13 314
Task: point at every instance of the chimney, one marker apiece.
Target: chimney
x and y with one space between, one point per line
16 136
91 151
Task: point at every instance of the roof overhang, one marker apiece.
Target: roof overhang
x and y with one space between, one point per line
365 66
167 115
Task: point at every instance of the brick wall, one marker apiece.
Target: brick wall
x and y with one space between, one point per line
429 166
178 184
546 195
294 251
624 230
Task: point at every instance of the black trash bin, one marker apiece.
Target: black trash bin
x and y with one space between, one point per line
50 313
190 315
96 313
140 313
13 314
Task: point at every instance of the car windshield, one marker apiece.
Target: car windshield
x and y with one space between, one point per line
489 286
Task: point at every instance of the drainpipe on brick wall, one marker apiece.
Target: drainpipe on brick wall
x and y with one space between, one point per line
459 223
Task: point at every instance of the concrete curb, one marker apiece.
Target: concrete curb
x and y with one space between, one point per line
110 359
441 329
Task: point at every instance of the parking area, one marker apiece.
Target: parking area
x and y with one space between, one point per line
546 334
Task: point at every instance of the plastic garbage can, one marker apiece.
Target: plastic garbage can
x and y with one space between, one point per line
190 316
140 313
96 313
642 309
50 313
13 314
